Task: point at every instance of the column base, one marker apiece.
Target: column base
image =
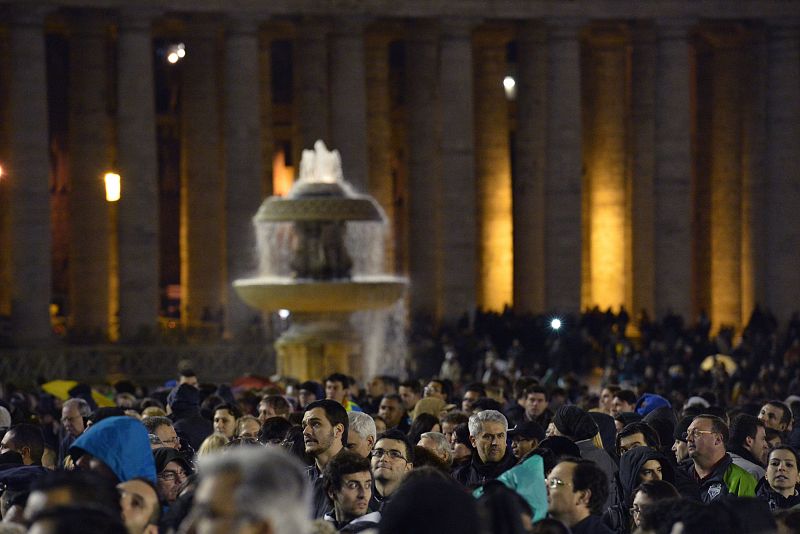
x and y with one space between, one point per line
314 348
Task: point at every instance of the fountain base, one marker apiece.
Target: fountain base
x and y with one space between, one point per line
316 346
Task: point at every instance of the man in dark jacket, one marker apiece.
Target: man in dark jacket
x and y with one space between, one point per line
576 493
487 433
184 405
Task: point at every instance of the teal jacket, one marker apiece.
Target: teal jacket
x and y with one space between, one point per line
527 479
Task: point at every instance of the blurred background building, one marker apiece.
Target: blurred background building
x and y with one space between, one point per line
544 155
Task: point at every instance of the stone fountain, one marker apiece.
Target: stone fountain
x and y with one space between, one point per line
321 258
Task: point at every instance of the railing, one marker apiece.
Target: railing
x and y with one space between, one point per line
146 365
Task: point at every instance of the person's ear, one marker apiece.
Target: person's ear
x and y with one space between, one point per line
473 441
749 441
338 430
370 442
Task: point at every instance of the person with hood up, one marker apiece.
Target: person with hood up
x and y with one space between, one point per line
183 403
636 466
577 425
779 486
117 448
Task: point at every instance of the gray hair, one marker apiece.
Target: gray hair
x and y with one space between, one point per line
153 422
441 444
476 421
83 407
363 425
271 485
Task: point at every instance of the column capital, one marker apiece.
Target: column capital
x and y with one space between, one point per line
459 27
139 18
565 28
674 28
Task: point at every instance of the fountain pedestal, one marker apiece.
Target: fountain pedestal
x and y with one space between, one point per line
316 346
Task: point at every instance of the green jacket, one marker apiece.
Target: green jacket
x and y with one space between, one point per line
727 479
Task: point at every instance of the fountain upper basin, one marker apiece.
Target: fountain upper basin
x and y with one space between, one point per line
319 296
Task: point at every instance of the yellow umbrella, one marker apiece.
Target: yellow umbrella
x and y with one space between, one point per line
60 389
715 359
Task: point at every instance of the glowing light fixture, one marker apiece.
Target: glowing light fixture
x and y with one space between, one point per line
283 314
1 172
510 86
555 324
113 186
176 52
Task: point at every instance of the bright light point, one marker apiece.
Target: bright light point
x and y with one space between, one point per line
181 51
173 57
283 314
509 83
555 324
1 172
113 186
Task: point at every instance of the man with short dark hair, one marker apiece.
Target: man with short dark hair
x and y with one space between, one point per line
437 388
410 392
347 481
392 459
27 440
576 493
748 446
393 411
325 428
624 401
536 406
491 457
377 388
337 387
472 392
140 506
711 466
273 406
776 415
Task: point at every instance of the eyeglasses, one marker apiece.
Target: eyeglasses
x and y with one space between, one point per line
172 475
556 482
694 434
393 454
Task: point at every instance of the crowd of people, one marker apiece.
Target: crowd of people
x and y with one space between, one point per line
506 431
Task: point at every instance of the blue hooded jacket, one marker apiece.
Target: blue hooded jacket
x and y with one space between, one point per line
122 444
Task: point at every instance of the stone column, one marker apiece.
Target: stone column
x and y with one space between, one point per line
726 184
27 174
348 102
563 221
90 142
242 160
493 172
531 166
458 203
311 86
265 97
605 160
642 169
673 170
424 168
379 136
202 191
138 168
783 166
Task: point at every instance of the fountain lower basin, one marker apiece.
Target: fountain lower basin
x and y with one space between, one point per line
321 296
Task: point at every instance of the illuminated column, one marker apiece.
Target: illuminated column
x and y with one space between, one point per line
242 160
202 191
348 109
424 168
457 207
311 85
138 167
529 177
493 170
379 137
783 166
726 185
642 169
673 168
605 160
564 168
90 141
26 174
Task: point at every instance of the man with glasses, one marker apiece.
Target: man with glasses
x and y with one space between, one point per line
712 467
162 433
391 460
576 493
348 484
172 470
74 414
